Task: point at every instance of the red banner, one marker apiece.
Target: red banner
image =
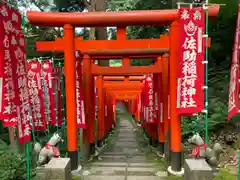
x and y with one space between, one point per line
148 100
36 95
233 96
158 100
139 105
9 32
48 92
190 96
81 123
142 108
15 103
96 100
144 102
23 108
57 94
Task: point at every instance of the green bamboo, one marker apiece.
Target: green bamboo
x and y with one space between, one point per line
238 161
28 162
44 97
28 146
33 130
206 77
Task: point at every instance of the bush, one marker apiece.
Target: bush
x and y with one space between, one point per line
13 166
218 102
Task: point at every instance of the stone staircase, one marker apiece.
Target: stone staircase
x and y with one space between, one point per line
123 158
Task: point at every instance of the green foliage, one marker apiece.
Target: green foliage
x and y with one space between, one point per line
222 31
141 62
225 175
70 5
12 165
218 93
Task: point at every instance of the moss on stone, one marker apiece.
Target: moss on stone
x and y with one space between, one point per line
76 178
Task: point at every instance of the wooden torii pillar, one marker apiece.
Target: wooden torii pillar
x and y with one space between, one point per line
119 19
99 84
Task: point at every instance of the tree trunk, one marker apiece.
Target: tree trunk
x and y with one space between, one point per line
101 32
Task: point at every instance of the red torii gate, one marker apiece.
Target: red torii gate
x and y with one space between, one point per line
111 88
119 19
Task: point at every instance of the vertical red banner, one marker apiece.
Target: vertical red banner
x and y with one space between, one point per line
9 32
158 99
23 108
96 99
14 108
155 98
81 123
139 105
143 102
233 96
142 109
148 98
56 76
47 80
36 95
190 96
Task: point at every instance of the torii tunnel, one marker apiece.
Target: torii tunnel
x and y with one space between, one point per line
165 50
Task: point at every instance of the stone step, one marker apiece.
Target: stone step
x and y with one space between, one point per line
126 133
145 178
126 136
106 177
111 164
96 170
124 159
97 177
126 144
123 151
126 140
138 158
129 153
124 170
143 164
145 172
127 130
128 164
113 159
143 169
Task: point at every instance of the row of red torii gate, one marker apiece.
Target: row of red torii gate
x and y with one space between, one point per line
170 88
